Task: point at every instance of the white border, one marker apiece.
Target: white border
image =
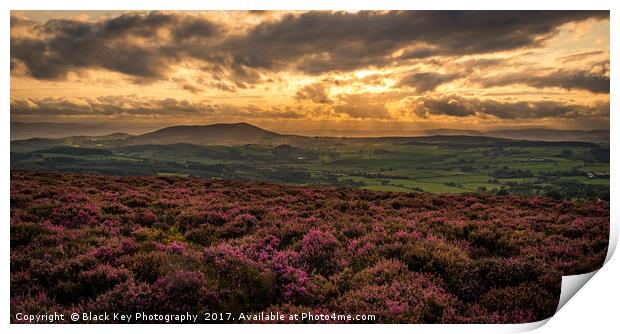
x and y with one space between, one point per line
593 309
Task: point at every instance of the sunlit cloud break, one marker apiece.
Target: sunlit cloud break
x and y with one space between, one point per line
299 71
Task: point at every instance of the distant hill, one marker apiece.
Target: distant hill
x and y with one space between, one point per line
484 141
451 132
21 130
244 133
48 135
54 130
594 136
35 144
214 134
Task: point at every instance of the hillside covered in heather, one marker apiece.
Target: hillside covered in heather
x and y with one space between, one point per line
172 245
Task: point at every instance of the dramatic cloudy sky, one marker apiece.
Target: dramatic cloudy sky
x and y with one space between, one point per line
313 72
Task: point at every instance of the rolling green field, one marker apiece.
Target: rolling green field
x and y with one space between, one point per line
438 165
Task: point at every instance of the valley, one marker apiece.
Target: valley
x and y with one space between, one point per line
435 164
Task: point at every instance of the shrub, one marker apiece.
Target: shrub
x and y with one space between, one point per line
248 285
183 291
383 272
102 278
147 267
414 298
127 297
319 250
292 283
147 219
75 215
524 299
25 233
205 235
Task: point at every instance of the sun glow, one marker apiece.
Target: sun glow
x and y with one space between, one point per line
232 62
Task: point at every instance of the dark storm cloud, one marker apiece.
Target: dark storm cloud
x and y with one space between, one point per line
323 41
128 44
426 81
448 106
458 106
145 46
595 81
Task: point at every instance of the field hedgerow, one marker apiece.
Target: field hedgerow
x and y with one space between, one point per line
144 244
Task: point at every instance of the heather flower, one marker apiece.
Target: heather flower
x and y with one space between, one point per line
74 215
99 243
129 246
320 251
291 281
146 219
104 253
177 247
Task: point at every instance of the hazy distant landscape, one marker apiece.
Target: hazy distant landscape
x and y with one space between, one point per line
21 131
435 164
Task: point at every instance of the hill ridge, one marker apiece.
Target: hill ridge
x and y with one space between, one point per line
246 133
